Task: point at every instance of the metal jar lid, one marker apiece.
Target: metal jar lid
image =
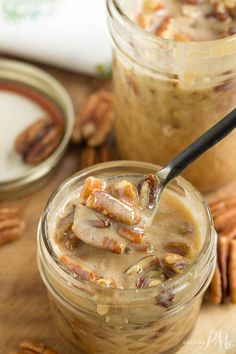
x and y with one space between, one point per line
27 87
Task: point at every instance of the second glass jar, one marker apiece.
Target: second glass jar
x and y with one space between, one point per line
168 93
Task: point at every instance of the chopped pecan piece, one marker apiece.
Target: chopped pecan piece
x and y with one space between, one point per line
165 298
100 224
108 283
142 282
152 181
95 120
112 245
39 140
126 192
64 225
12 225
166 29
174 262
143 264
131 234
181 37
152 5
33 347
90 184
223 9
154 282
181 248
113 208
80 269
144 248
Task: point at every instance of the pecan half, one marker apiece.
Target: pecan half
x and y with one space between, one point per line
214 292
165 298
12 225
95 120
232 271
33 347
223 284
39 140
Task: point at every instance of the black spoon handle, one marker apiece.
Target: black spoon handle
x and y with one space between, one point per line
198 147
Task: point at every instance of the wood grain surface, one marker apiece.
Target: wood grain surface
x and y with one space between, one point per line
24 309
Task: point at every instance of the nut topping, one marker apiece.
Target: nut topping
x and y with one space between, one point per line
131 234
141 282
222 286
100 224
174 262
80 269
95 120
12 225
143 264
126 192
165 298
181 248
32 347
113 208
152 181
90 184
39 140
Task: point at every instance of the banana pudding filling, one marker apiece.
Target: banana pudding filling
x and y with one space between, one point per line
104 234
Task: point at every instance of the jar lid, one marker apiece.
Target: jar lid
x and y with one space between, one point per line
27 94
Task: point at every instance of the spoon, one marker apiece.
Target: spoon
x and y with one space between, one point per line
99 235
212 136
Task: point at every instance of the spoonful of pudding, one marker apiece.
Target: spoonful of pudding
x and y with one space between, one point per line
115 209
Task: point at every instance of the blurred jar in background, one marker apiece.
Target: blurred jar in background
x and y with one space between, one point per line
167 93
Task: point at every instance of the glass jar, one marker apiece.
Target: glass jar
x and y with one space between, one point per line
110 321
168 93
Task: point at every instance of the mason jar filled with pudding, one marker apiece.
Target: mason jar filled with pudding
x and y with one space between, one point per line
117 282
174 75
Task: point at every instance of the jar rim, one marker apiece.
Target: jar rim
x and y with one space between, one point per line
198 48
175 282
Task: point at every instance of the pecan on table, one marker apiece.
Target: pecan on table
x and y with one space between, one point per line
90 155
32 347
39 140
94 123
223 285
11 225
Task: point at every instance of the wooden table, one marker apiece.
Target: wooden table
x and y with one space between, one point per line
24 308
